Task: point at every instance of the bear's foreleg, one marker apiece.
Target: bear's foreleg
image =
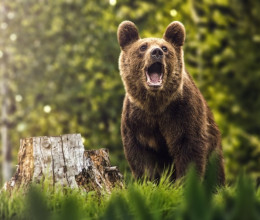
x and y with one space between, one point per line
187 153
143 161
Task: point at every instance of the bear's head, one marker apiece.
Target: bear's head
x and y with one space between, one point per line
152 69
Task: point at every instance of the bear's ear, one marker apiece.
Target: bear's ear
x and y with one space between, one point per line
175 33
127 33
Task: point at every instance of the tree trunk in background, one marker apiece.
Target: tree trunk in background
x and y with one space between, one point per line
62 161
6 148
6 151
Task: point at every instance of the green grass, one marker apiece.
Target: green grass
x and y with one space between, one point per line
187 199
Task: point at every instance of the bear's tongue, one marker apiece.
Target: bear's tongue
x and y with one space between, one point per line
154 74
155 77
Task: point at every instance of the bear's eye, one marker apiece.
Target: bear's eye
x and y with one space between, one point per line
165 49
143 47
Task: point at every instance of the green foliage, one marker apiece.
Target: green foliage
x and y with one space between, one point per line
61 61
37 206
191 200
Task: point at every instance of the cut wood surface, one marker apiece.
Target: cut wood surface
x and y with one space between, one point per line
63 161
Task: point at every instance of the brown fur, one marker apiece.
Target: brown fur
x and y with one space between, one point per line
165 125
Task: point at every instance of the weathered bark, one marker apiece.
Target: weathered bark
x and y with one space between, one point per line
63 161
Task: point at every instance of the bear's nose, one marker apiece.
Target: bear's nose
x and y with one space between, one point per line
157 53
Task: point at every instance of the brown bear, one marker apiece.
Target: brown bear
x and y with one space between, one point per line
165 119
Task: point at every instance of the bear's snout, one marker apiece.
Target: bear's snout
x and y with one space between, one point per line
156 53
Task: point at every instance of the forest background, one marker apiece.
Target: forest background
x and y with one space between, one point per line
59 71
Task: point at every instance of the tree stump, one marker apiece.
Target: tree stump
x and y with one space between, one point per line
63 161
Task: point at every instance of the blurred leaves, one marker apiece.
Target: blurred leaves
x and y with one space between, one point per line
64 54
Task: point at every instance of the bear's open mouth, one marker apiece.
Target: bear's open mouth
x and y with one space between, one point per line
154 74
